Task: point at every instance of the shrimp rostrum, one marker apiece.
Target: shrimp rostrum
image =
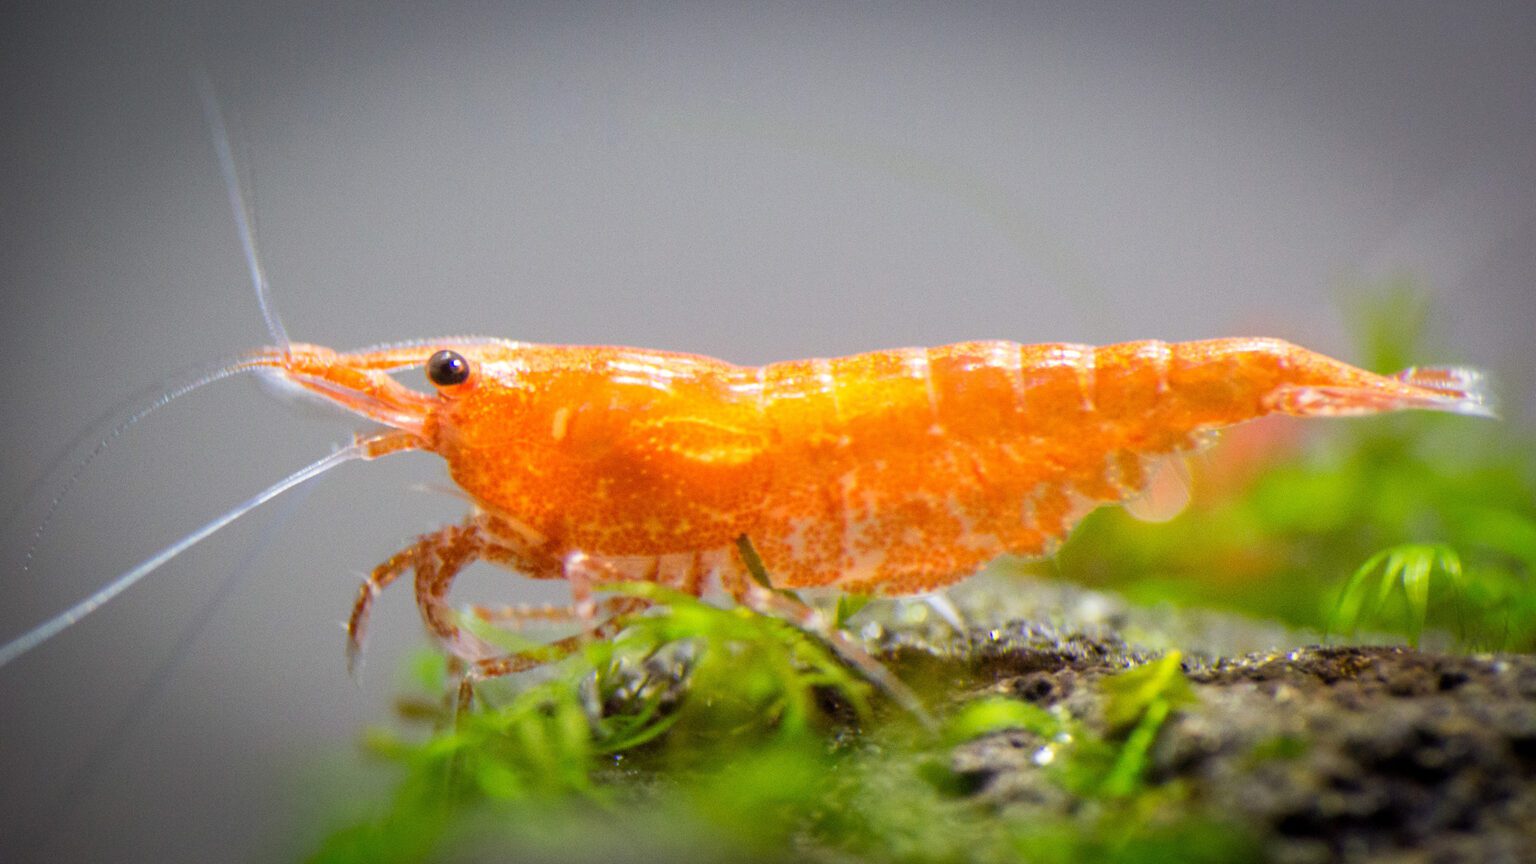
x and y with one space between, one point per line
893 472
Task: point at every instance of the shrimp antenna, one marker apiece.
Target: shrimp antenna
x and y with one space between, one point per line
237 203
57 624
110 745
121 416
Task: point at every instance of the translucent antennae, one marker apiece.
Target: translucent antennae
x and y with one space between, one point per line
216 128
57 624
164 396
109 746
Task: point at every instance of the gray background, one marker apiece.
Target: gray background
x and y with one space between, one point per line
758 185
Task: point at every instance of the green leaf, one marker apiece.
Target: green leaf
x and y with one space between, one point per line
1131 694
996 713
1409 568
1130 766
848 605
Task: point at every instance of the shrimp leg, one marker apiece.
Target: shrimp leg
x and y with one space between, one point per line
582 571
759 595
617 608
437 558
362 608
523 614
426 557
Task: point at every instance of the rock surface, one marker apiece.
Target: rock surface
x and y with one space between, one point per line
1359 754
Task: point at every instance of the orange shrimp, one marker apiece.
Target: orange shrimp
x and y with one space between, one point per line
893 472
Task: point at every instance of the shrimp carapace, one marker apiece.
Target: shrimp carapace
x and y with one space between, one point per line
890 472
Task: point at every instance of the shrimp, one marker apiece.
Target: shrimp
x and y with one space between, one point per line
892 472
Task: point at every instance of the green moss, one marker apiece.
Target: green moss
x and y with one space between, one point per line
720 734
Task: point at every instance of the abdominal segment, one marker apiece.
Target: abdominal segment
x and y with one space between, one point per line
903 471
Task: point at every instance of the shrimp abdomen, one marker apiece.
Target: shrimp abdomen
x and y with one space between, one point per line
900 471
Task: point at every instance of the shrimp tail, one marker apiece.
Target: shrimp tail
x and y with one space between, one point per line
1453 389
1457 389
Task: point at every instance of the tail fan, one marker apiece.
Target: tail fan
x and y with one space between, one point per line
1454 389
1458 389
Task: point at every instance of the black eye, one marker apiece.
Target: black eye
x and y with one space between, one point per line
447 368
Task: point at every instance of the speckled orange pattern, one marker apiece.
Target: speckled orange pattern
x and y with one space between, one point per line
894 471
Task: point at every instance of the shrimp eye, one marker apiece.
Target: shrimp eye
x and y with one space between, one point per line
447 368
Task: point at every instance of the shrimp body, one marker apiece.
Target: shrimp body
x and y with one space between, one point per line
889 472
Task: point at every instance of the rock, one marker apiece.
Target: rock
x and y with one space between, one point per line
1354 754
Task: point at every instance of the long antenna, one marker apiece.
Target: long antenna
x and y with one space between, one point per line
57 624
237 203
87 771
121 417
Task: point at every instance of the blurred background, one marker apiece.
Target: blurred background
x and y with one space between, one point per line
757 184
